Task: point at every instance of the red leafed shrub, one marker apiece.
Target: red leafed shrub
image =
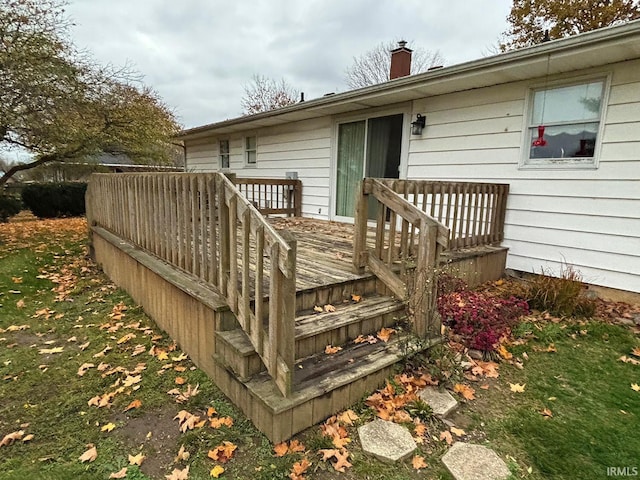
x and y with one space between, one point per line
480 319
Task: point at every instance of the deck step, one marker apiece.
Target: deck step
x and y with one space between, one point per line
326 384
313 332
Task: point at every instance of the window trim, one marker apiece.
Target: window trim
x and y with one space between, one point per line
246 151
590 163
221 154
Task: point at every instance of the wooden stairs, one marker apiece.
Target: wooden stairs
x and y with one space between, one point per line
323 383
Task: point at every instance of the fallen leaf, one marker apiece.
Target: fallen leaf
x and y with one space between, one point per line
300 467
216 471
48 351
418 462
635 387
136 459
446 436
108 427
223 452
220 421
636 352
9 438
135 404
348 417
20 303
356 298
131 380
516 387
385 333
362 339
504 353
178 474
27 438
180 357
122 473
180 381
183 455
295 446
317 309
329 308
465 390
90 455
84 367
330 350
342 461
281 449
546 413
458 432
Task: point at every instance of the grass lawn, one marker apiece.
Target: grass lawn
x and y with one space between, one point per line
82 367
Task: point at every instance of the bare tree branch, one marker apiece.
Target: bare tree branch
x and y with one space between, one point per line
262 94
373 66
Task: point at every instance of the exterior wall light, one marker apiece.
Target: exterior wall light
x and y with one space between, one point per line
418 125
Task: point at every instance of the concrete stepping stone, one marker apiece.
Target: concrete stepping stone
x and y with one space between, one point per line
387 441
466 461
441 402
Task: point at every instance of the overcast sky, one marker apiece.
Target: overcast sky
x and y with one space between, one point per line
198 54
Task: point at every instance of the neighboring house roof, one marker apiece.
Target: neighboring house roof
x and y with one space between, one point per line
591 49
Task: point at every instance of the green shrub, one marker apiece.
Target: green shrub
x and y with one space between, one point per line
10 205
51 200
561 296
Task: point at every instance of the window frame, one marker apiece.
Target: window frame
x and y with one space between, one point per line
569 163
247 150
222 154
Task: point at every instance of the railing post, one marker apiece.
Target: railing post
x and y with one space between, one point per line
360 228
224 263
285 337
423 295
297 198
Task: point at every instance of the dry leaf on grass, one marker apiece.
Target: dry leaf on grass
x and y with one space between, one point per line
178 474
134 404
635 387
223 452
90 455
122 473
108 427
546 413
299 468
465 390
136 459
9 438
458 432
216 471
418 462
183 455
516 387
446 436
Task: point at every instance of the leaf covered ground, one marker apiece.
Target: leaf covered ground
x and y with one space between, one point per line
90 388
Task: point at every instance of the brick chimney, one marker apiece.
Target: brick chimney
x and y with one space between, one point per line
400 61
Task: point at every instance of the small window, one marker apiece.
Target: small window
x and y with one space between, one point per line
250 152
570 115
224 153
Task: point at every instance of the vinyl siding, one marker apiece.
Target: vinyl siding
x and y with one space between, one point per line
302 147
587 218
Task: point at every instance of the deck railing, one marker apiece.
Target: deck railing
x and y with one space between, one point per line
272 196
405 237
202 224
473 212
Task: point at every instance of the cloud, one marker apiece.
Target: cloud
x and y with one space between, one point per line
198 54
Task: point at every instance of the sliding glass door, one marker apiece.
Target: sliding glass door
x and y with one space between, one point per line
371 147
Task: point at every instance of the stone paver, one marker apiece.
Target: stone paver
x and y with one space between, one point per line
441 402
387 441
466 461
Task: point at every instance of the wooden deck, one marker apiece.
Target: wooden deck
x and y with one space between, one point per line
196 253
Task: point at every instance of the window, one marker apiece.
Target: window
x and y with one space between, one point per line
570 115
250 153
224 153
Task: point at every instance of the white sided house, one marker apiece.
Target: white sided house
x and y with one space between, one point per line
574 193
